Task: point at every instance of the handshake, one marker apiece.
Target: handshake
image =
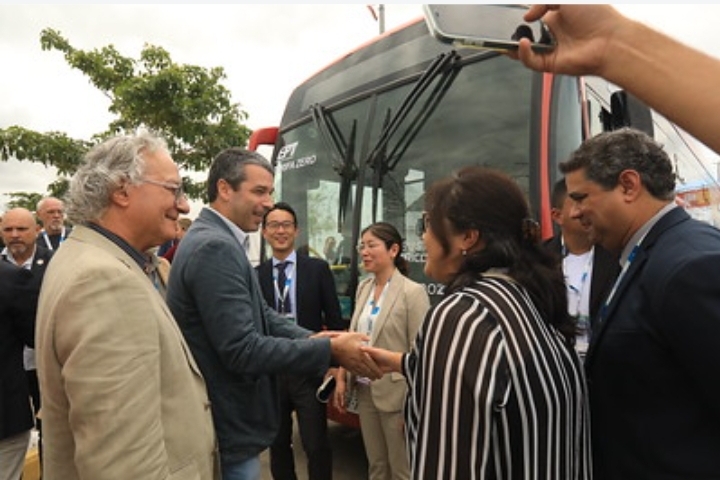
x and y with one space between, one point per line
350 350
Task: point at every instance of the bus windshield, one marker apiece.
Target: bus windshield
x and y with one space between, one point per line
340 163
363 139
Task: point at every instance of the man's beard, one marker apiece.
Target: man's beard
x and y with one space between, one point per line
54 227
18 249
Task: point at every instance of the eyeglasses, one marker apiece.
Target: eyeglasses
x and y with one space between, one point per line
422 224
273 226
176 190
369 246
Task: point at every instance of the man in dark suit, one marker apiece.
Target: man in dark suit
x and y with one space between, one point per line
19 233
303 290
239 342
654 359
18 301
589 269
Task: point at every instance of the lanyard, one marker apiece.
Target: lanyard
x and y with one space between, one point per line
623 271
282 296
373 309
47 239
578 291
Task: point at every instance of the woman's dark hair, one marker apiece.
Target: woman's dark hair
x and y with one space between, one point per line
492 203
389 235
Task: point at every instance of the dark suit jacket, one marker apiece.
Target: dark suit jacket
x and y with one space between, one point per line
18 303
317 305
55 241
654 362
604 272
40 263
238 341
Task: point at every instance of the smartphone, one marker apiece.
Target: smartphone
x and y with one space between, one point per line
325 390
494 27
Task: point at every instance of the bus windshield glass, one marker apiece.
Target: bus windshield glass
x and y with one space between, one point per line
340 162
363 139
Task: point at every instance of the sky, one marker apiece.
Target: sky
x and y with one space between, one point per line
265 50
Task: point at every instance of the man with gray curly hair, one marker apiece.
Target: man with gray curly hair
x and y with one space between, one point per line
122 396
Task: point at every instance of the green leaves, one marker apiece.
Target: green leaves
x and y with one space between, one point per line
186 104
51 149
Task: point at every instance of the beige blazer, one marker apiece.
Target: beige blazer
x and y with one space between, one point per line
401 314
122 396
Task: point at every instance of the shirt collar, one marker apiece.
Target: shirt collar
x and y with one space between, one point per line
237 232
642 231
27 264
290 258
135 254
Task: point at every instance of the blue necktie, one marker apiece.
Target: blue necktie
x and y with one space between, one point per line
284 305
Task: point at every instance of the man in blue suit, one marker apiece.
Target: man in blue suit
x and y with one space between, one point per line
19 232
308 297
238 341
18 303
654 358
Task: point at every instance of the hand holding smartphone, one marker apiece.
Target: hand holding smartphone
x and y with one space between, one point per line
494 27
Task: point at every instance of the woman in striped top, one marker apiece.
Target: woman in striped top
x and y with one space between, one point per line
496 389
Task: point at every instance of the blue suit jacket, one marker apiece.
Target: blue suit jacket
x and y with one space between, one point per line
237 340
654 362
18 303
317 302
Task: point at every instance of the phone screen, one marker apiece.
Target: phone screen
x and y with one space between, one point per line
497 27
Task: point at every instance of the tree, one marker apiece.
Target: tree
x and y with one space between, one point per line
185 104
24 200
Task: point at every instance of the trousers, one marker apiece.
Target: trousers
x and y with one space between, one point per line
12 455
297 394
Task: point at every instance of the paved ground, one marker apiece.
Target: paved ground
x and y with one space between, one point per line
349 462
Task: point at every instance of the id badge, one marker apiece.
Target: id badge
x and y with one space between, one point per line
351 401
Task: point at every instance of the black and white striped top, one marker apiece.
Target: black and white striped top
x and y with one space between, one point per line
494 392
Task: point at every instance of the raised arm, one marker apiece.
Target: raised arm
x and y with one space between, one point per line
676 80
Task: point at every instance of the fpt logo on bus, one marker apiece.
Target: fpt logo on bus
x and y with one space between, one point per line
287 152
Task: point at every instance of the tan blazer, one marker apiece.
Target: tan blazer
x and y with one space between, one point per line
401 314
122 396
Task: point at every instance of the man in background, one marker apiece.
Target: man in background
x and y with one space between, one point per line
182 227
19 233
18 300
589 269
303 291
51 212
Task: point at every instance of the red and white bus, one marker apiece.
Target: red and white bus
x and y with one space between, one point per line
362 139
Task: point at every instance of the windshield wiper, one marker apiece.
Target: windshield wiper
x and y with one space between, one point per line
444 66
343 155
